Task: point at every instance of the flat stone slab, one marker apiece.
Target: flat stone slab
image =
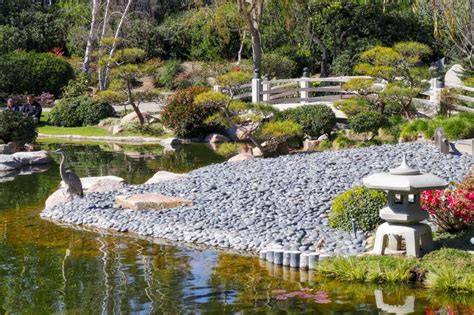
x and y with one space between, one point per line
33 158
8 163
152 201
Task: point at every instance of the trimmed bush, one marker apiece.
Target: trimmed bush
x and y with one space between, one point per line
32 73
359 203
79 111
367 122
316 120
352 106
16 127
277 66
186 117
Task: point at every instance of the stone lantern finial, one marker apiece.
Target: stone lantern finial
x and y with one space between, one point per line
404 168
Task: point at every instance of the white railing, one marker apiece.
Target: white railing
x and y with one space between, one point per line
289 91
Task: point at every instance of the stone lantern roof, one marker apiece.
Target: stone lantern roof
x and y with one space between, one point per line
404 179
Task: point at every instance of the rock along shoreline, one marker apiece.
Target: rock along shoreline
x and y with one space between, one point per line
252 204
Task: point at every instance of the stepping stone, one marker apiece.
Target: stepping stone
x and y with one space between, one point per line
152 201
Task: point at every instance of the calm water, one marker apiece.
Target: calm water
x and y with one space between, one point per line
46 268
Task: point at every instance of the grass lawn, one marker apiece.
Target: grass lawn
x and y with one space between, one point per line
80 131
87 131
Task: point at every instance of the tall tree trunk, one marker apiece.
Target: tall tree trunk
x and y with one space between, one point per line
108 66
90 37
472 32
135 107
325 55
241 48
102 34
253 11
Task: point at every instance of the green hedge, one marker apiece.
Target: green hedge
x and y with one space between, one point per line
33 73
16 127
79 111
315 119
359 203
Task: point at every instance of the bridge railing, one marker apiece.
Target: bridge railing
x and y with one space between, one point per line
464 98
291 91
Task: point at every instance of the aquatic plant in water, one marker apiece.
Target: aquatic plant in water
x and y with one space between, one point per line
320 297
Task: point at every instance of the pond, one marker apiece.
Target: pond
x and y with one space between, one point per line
47 268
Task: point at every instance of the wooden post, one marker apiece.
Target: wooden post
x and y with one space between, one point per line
266 87
256 87
217 88
304 84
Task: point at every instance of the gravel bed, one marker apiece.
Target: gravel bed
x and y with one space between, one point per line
250 204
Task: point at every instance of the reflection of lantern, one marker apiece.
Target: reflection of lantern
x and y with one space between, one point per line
403 214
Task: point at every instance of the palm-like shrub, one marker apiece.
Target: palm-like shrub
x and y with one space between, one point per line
16 127
316 120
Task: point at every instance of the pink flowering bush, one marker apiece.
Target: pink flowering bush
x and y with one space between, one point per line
453 208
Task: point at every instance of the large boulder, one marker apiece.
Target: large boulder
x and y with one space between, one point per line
216 138
9 148
241 157
33 158
90 182
98 184
106 185
171 144
8 163
454 75
163 176
58 197
132 117
151 201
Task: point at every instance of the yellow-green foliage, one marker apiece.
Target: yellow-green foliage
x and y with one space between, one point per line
212 99
228 149
368 269
450 270
469 81
362 86
444 271
456 127
353 106
413 52
358 203
381 56
281 129
233 78
325 145
342 142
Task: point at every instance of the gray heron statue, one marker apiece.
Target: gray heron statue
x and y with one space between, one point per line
72 181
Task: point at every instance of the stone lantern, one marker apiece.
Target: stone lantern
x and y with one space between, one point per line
403 214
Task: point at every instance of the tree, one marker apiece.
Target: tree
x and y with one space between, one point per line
127 72
252 10
401 67
455 22
250 119
90 37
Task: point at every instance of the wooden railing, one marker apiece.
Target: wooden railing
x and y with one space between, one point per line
464 98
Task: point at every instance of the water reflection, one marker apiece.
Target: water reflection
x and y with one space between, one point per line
47 268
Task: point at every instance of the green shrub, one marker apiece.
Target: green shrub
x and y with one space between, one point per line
280 130
79 111
456 127
184 116
352 106
316 120
325 144
359 203
277 66
342 142
16 127
77 86
167 73
32 73
365 122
